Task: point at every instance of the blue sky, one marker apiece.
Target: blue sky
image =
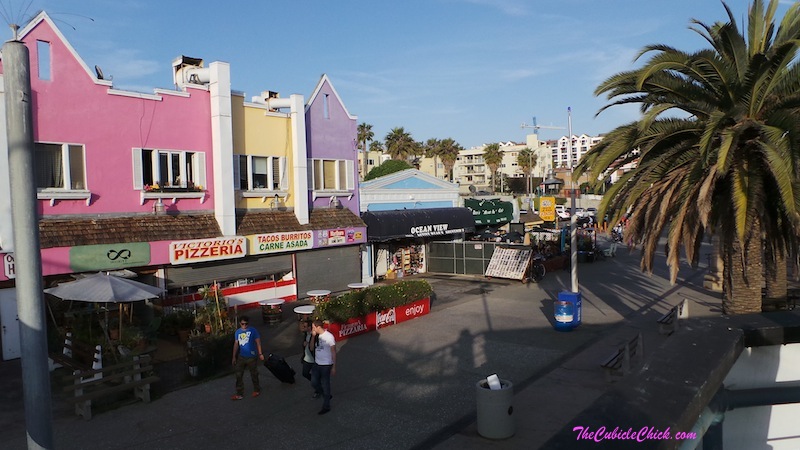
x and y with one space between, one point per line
472 70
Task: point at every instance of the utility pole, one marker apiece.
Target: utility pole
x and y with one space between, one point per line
27 255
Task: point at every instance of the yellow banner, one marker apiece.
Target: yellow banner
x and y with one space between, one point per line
547 209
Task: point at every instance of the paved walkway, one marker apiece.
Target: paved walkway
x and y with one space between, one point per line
413 385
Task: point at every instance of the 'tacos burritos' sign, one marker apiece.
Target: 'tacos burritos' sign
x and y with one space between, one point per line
281 242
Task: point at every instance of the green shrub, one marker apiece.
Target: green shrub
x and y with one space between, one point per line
374 299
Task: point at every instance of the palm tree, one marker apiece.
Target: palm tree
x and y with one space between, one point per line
365 135
727 164
448 152
432 148
526 160
399 143
492 156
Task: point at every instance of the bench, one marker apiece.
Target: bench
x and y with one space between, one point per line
87 385
620 362
668 323
77 356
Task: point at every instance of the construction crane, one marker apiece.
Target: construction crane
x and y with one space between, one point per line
537 127
535 131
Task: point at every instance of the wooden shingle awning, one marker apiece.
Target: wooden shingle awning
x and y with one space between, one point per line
74 232
141 228
250 222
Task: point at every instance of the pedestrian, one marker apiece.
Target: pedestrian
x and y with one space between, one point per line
309 342
324 364
246 354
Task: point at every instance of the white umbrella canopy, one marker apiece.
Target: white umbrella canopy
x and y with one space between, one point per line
102 288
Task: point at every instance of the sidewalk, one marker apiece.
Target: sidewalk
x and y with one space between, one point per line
413 385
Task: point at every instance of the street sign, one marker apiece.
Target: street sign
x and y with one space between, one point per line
547 209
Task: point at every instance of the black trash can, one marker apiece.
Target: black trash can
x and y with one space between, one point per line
495 410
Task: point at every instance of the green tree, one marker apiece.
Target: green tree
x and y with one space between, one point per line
390 166
448 153
526 161
718 141
492 156
399 143
365 135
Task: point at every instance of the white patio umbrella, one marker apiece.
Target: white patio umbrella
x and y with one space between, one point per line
103 288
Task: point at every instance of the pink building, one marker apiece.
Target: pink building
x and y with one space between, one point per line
128 181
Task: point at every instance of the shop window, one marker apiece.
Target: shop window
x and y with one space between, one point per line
168 169
59 166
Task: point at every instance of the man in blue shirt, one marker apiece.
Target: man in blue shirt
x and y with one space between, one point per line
246 354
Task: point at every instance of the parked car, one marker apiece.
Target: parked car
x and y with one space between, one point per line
580 212
591 212
562 212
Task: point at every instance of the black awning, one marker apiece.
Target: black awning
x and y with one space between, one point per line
410 223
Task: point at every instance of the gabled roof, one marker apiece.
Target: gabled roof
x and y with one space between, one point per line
420 180
43 17
317 89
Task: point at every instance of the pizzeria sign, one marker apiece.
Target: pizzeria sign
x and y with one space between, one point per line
202 250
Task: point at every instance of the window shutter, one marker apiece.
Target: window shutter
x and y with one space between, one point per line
200 169
284 176
350 171
138 184
311 175
237 173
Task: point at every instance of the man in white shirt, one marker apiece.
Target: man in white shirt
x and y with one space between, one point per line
324 364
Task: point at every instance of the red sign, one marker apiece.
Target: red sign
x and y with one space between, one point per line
352 327
413 310
383 319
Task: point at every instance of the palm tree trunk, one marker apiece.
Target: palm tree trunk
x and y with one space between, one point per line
775 277
743 274
366 159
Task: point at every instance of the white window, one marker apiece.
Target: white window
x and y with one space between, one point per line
60 166
169 169
260 173
330 174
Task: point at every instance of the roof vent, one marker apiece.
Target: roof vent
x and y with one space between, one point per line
187 70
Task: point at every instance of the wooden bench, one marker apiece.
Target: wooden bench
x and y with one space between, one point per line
87 385
668 323
620 362
77 356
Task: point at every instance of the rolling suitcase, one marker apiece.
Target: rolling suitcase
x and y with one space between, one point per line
278 366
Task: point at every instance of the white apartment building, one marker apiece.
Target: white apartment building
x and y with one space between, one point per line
470 168
567 156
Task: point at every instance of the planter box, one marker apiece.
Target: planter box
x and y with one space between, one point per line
557 263
383 319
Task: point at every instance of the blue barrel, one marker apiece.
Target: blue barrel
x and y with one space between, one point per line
567 311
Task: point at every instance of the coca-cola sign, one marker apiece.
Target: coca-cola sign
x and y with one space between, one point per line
385 318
